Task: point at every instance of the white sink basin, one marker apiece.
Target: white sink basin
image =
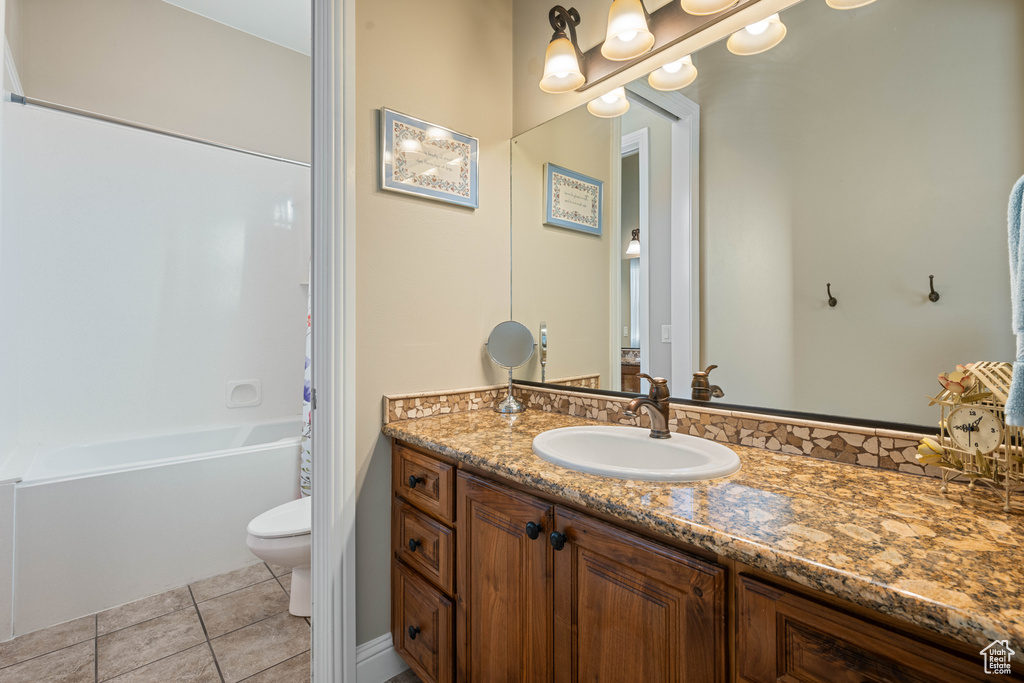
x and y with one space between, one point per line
631 453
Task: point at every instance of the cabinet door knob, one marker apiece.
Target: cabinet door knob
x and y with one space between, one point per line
413 480
558 540
413 630
533 530
413 544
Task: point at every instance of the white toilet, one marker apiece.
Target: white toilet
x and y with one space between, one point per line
281 536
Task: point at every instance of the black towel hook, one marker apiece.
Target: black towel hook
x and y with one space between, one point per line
934 296
832 301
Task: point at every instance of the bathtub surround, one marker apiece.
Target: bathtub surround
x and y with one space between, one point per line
867 446
231 627
881 540
139 330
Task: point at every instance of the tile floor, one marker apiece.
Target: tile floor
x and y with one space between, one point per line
233 627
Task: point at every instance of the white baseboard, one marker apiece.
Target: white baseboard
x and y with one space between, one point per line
377 661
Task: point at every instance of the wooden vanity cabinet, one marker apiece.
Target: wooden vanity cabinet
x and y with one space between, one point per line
784 636
504 584
629 609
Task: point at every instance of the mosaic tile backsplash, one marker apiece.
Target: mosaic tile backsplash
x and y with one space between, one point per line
885 449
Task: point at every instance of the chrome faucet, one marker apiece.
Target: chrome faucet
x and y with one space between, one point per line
656 404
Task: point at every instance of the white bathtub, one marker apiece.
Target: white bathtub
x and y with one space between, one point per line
101 524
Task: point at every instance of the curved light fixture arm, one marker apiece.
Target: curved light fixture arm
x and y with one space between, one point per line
563 20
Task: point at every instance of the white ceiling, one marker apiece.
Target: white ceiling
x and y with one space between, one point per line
285 22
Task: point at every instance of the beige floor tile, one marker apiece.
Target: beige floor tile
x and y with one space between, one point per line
295 670
405 677
286 582
135 646
260 646
75 664
48 640
232 581
194 665
279 571
243 607
144 610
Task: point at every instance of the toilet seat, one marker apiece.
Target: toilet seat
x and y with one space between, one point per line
291 519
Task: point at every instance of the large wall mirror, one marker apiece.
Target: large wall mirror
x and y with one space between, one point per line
871 149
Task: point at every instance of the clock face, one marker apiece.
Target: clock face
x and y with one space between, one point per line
975 429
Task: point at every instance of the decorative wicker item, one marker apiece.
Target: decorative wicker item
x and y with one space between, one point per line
974 440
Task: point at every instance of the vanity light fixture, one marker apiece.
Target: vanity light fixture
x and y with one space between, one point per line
674 75
609 105
847 4
758 37
701 8
634 244
629 35
562 59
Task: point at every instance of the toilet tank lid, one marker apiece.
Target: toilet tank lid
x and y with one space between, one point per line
291 519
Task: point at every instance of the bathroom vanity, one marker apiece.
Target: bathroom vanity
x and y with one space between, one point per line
505 564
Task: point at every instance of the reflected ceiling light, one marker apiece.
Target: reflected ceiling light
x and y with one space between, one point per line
700 8
674 75
634 244
628 34
757 38
562 60
847 4
609 105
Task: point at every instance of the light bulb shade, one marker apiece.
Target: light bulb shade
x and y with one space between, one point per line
757 38
700 8
628 35
561 67
847 4
674 75
610 105
634 244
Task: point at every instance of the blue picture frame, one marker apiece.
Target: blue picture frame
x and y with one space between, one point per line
573 200
426 160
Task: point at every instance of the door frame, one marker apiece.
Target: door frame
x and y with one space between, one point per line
332 286
638 142
684 114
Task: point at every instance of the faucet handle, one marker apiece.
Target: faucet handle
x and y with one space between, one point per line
659 386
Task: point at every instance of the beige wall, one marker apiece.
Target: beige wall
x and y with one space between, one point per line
629 210
12 31
870 150
154 63
432 278
562 276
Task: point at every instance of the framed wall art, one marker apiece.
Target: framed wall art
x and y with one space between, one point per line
573 200
427 160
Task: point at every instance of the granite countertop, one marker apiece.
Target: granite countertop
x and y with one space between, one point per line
888 541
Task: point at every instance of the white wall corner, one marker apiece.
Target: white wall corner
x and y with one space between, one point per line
377 661
11 69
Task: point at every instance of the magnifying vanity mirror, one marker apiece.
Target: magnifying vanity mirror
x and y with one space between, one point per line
510 345
869 150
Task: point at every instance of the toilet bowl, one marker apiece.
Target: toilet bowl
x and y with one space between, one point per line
281 536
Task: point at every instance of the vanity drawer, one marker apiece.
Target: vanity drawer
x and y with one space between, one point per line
782 636
425 482
424 544
421 623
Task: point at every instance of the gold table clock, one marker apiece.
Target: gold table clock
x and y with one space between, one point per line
974 442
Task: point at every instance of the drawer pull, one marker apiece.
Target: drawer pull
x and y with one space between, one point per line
698 592
413 544
558 540
413 480
413 631
533 530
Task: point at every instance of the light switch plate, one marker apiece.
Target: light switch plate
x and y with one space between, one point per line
666 333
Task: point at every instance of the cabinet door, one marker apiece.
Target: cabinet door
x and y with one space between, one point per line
504 584
628 609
